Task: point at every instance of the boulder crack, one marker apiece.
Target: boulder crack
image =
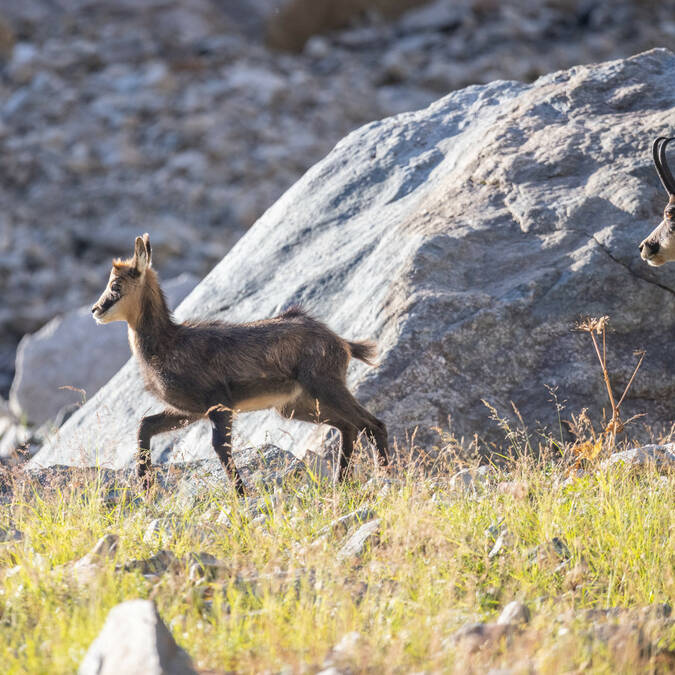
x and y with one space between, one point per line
627 267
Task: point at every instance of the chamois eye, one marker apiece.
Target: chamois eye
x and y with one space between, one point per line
115 287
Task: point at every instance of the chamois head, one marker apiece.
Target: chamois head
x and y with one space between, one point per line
659 246
120 301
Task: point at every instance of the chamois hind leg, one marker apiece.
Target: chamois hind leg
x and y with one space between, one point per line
306 410
333 395
336 400
221 426
152 425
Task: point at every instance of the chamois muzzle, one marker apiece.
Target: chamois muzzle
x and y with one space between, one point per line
103 304
99 309
648 248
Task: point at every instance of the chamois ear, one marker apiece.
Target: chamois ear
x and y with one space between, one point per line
141 255
148 248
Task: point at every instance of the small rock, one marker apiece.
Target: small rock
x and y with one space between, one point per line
357 542
105 547
224 518
121 496
342 651
504 541
264 86
156 564
655 611
434 16
190 163
560 547
135 641
24 62
495 529
340 526
468 480
660 456
260 519
514 613
577 575
206 566
18 444
515 488
573 477
381 484
13 571
348 643
267 465
554 549
317 47
319 467
161 529
474 636
8 534
87 567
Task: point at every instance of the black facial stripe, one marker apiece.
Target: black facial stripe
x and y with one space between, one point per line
108 303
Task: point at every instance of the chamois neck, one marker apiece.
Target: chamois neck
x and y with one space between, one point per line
153 323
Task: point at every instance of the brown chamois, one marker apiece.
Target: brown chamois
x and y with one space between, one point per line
212 369
659 247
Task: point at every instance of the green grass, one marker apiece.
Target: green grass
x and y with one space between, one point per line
429 574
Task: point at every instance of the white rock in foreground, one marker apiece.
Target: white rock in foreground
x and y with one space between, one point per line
467 239
135 641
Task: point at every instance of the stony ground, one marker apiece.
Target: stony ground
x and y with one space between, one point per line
177 117
521 569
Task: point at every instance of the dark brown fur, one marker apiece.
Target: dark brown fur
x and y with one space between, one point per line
210 369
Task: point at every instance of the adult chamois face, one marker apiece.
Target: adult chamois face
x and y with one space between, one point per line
659 246
120 301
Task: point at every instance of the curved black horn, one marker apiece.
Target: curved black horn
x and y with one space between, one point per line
661 163
664 166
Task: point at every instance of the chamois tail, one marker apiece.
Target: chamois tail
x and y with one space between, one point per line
364 351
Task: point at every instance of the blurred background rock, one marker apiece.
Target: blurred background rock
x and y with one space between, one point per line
188 118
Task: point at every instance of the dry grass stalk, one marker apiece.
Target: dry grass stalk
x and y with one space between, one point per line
590 449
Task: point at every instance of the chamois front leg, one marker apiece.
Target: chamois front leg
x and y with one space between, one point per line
221 425
149 427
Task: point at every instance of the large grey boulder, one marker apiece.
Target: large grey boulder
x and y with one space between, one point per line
72 351
105 129
467 239
135 641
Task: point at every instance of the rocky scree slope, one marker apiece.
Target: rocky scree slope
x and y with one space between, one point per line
175 116
467 239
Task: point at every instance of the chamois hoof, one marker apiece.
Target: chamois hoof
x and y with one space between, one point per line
240 489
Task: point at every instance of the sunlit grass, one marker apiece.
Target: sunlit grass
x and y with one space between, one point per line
285 599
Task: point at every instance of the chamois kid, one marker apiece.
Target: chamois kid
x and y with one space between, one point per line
212 369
